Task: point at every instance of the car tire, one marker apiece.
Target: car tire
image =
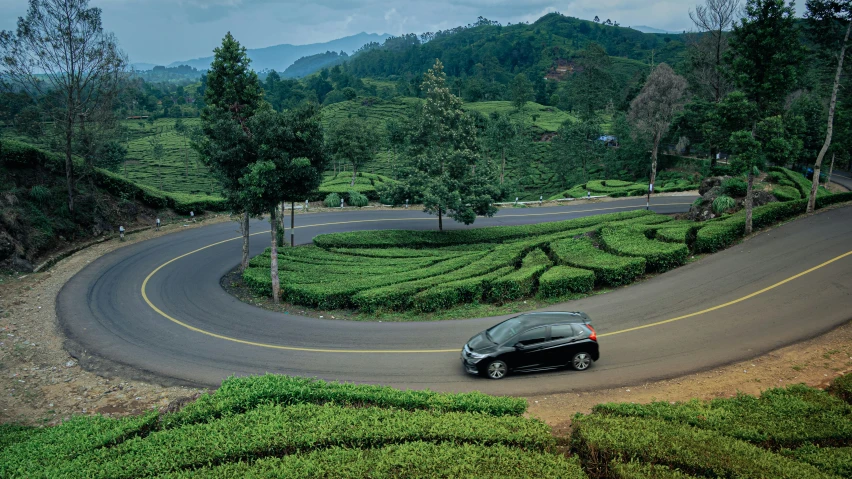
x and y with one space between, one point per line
496 370
581 361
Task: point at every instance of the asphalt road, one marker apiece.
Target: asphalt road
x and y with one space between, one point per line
199 334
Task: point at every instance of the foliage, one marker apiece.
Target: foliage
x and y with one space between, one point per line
522 91
786 193
609 269
765 54
723 203
841 387
444 169
352 141
357 199
523 282
332 200
832 460
627 241
735 187
561 280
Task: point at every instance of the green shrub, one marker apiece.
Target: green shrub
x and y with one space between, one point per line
273 430
797 179
833 199
414 459
14 433
332 200
637 470
609 269
722 204
734 187
601 441
357 199
786 193
659 256
679 233
778 418
522 282
237 395
467 290
491 234
841 387
832 460
560 280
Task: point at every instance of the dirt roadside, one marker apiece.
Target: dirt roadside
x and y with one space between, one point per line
42 385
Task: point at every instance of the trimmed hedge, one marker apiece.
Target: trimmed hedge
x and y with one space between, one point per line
719 234
842 387
237 395
799 181
490 234
460 291
786 193
681 233
832 460
414 459
659 256
778 418
601 441
609 269
522 282
559 280
270 430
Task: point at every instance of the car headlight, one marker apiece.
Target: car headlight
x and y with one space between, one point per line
476 356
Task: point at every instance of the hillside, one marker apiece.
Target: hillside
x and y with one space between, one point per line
306 65
279 57
36 220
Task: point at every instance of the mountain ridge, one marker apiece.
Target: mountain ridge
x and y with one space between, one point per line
279 57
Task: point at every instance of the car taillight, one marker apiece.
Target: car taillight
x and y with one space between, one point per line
594 336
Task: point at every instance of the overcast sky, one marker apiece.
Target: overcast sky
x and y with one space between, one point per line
163 31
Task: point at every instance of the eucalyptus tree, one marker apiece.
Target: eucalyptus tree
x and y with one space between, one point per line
62 57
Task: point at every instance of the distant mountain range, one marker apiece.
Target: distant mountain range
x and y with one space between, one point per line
647 29
279 57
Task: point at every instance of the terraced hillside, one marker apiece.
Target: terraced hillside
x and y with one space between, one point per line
375 271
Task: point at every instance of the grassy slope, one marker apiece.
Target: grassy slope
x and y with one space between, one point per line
277 426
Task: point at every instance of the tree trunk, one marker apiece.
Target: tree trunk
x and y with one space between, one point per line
273 254
830 171
749 201
292 223
283 225
503 166
829 131
69 162
713 152
440 221
244 229
653 167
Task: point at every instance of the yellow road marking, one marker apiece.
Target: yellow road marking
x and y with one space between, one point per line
423 351
729 303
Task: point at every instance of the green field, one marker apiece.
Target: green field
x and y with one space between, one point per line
547 118
278 426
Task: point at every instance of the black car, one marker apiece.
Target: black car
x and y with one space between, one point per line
532 342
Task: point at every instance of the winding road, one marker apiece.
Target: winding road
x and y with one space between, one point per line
155 310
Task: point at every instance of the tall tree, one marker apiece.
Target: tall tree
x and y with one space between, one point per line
749 154
826 19
353 141
502 135
592 87
288 165
576 146
765 53
654 109
396 132
708 48
232 96
522 91
445 170
61 55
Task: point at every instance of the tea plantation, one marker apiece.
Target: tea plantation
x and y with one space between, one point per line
278 426
424 271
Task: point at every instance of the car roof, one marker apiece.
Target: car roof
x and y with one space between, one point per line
552 317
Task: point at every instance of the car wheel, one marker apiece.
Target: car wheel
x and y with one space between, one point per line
496 370
581 361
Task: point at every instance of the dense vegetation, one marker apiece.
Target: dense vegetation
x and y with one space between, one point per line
278 426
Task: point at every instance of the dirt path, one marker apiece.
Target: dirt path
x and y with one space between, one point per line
42 385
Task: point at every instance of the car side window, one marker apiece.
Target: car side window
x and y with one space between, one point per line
533 336
562 331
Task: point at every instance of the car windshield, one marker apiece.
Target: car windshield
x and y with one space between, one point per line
505 330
